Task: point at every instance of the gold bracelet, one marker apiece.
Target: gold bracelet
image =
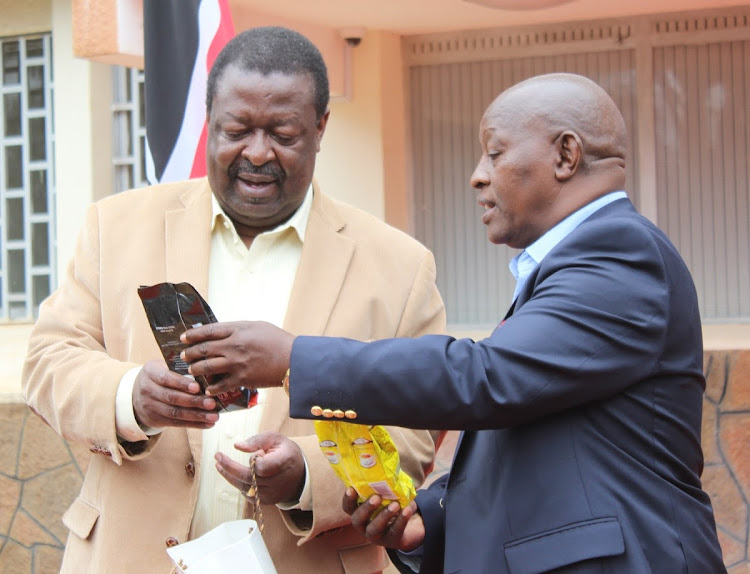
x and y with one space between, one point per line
253 497
285 382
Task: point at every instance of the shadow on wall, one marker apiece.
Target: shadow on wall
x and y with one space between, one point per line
41 474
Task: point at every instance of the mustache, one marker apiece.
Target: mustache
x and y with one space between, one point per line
245 167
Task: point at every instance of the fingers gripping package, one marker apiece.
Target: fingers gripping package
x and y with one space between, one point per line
172 309
366 458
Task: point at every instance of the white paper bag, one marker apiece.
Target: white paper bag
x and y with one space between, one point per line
230 547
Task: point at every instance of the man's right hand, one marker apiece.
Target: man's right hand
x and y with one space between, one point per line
162 398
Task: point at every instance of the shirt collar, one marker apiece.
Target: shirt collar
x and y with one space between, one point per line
297 222
523 263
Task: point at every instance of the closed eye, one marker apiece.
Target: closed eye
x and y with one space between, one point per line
234 135
284 139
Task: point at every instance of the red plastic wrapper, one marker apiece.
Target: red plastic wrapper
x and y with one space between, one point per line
172 309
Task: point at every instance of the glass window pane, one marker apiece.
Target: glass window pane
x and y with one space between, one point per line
16 271
35 79
37 139
123 178
39 191
121 135
128 85
17 310
39 289
14 218
143 160
35 48
13 167
39 244
141 105
12 109
119 84
11 63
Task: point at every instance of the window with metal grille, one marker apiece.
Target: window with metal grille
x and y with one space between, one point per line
447 103
27 194
682 82
128 129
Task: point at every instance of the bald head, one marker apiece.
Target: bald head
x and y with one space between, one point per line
550 145
567 102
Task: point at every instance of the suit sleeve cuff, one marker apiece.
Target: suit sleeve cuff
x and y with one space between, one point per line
305 499
413 559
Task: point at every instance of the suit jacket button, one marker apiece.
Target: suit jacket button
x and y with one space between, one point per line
328 413
190 469
338 413
350 414
316 411
170 542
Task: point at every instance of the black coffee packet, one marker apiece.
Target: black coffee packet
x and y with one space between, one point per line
172 309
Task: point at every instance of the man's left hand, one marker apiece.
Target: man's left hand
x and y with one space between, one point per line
392 526
279 468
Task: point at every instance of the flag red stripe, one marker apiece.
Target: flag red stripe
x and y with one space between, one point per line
199 163
224 33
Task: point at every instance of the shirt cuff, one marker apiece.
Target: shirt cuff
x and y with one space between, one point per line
127 426
305 499
412 559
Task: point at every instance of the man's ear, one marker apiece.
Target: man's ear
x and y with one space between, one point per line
321 127
569 155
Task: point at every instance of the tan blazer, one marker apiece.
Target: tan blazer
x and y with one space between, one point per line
357 278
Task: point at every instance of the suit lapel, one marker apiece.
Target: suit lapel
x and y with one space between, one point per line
188 261
322 270
320 276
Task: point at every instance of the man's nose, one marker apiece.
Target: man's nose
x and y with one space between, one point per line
479 179
258 149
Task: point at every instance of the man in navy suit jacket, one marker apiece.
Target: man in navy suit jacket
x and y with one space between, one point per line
581 411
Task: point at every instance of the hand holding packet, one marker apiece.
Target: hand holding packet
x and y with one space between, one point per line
366 458
172 309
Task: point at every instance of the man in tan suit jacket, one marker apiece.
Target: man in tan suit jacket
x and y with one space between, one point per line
356 277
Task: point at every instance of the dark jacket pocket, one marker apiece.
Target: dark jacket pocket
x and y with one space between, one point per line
80 518
597 538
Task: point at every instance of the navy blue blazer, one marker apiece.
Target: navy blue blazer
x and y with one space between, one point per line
582 414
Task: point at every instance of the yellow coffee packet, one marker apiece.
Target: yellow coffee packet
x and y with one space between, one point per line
365 457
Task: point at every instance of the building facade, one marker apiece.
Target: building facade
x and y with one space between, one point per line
401 143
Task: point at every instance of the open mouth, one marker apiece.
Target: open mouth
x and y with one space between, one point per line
256 185
489 207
